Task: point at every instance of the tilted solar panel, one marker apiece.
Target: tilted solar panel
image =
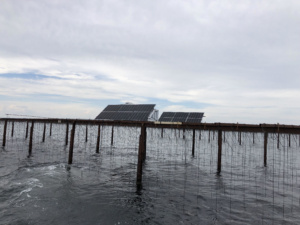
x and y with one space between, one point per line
139 112
193 117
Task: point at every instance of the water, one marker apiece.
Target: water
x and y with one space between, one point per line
177 188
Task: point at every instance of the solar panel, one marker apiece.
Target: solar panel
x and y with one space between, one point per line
192 117
139 112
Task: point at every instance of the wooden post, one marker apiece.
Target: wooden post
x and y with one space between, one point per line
86 133
141 155
278 138
214 135
26 135
30 139
240 138
70 161
224 139
265 147
12 128
183 135
4 133
140 163
98 140
112 136
50 129
67 133
193 148
208 136
253 137
289 140
162 132
219 151
199 134
44 133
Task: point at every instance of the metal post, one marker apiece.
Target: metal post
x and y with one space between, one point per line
67 133
219 151
253 137
199 134
30 139
26 135
70 161
265 147
183 135
44 133
12 128
224 138
162 132
289 140
208 136
86 133
193 148
240 138
4 133
98 140
278 140
112 136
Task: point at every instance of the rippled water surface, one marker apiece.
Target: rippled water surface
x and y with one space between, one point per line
177 188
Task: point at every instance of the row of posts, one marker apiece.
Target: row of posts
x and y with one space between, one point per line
142 143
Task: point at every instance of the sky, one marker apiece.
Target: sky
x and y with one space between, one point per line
234 60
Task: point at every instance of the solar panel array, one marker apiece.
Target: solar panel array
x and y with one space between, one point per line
126 112
190 117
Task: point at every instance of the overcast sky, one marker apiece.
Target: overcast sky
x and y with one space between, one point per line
234 60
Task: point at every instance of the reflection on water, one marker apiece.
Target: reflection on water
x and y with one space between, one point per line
177 188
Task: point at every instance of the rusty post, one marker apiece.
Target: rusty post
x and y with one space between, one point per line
67 133
70 161
141 155
86 133
30 139
112 136
44 133
4 133
219 151
12 128
144 140
140 163
98 140
50 129
26 135
265 147
193 148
